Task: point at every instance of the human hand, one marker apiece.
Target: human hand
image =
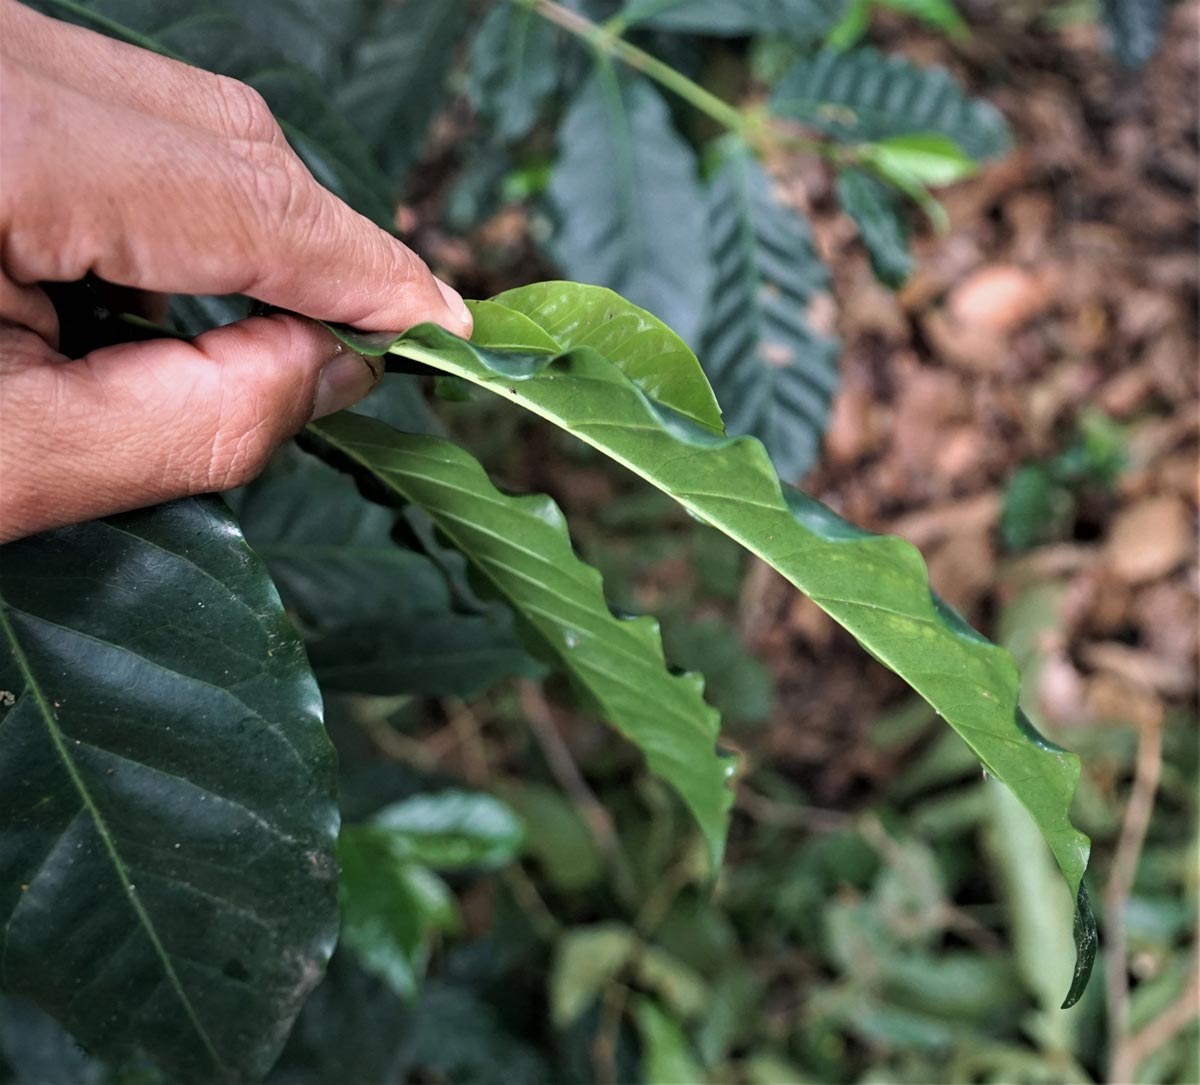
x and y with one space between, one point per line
161 177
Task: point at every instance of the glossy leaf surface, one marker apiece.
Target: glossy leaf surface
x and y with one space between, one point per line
393 902
773 375
167 803
876 587
648 352
520 545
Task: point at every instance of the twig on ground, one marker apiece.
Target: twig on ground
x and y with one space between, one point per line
425 754
790 815
562 766
1116 899
469 730
1155 1033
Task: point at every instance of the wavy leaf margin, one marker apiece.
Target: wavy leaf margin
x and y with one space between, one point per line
875 586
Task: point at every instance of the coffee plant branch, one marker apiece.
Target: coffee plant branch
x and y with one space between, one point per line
754 126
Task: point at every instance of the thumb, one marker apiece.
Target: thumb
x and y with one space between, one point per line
132 425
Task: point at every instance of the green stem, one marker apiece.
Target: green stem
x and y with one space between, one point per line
754 127
609 43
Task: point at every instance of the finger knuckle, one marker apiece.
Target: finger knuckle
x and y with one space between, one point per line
244 110
237 455
273 190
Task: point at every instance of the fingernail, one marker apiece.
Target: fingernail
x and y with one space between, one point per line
455 304
346 378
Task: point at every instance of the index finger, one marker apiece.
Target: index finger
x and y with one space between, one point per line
156 205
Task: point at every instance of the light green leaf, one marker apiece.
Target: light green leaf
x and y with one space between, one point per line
667 1057
876 212
637 342
673 981
865 96
919 158
391 908
876 587
504 328
940 14
520 545
556 836
450 830
167 796
627 200
773 375
585 960
393 904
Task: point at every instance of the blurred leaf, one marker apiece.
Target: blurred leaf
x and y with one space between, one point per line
896 1028
1036 509
865 96
450 830
772 1069
737 683
167 800
920 158
392 903
41 1051
457 1037
310 33
514 69
396 77
586 959
667 1057
628 203
391 908
729 1016
673 981
1098 452
378 618
557 837
520 545
773 375
877 213
803 19
1133 29
1039 910
940 14
954 985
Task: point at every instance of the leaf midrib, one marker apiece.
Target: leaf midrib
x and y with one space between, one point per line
33 687
442 514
